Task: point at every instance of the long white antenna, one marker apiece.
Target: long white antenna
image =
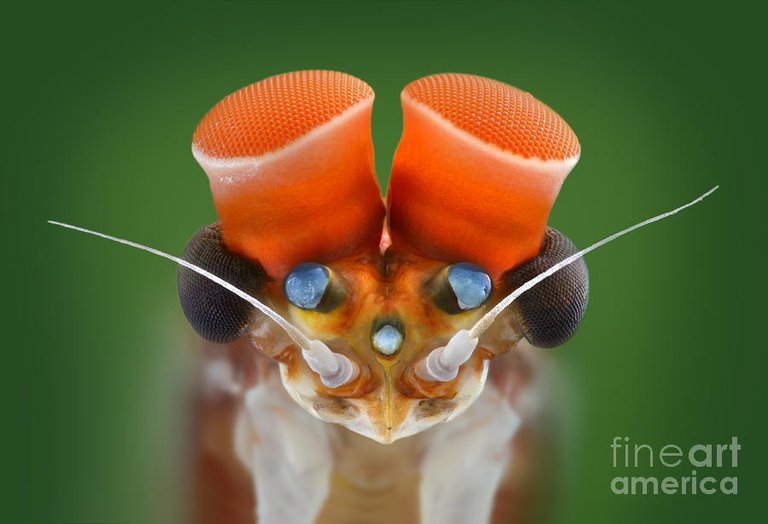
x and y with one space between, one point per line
487 319
334 369
442 363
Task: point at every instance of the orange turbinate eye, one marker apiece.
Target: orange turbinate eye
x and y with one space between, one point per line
477 170
290 163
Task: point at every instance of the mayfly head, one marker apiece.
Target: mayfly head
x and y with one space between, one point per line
383 318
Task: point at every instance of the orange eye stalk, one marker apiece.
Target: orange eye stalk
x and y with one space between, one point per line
478 168
290 162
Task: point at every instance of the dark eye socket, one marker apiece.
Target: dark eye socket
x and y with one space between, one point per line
306 285
471 285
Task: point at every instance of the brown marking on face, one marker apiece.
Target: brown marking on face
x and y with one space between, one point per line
433 408
335 408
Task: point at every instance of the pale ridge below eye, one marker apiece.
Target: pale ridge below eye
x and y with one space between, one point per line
305 285
471 285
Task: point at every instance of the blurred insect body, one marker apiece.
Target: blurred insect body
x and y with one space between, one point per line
382 320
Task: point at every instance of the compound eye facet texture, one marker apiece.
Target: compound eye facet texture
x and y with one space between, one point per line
216 314
306 284
550 312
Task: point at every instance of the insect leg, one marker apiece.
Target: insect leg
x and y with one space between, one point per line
287 452
465 462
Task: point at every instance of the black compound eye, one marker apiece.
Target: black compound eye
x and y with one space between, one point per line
306 285
215 313
471 285
550 312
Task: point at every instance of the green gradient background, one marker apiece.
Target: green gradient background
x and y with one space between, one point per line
99 104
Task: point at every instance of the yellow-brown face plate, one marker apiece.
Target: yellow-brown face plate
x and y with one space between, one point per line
387 401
